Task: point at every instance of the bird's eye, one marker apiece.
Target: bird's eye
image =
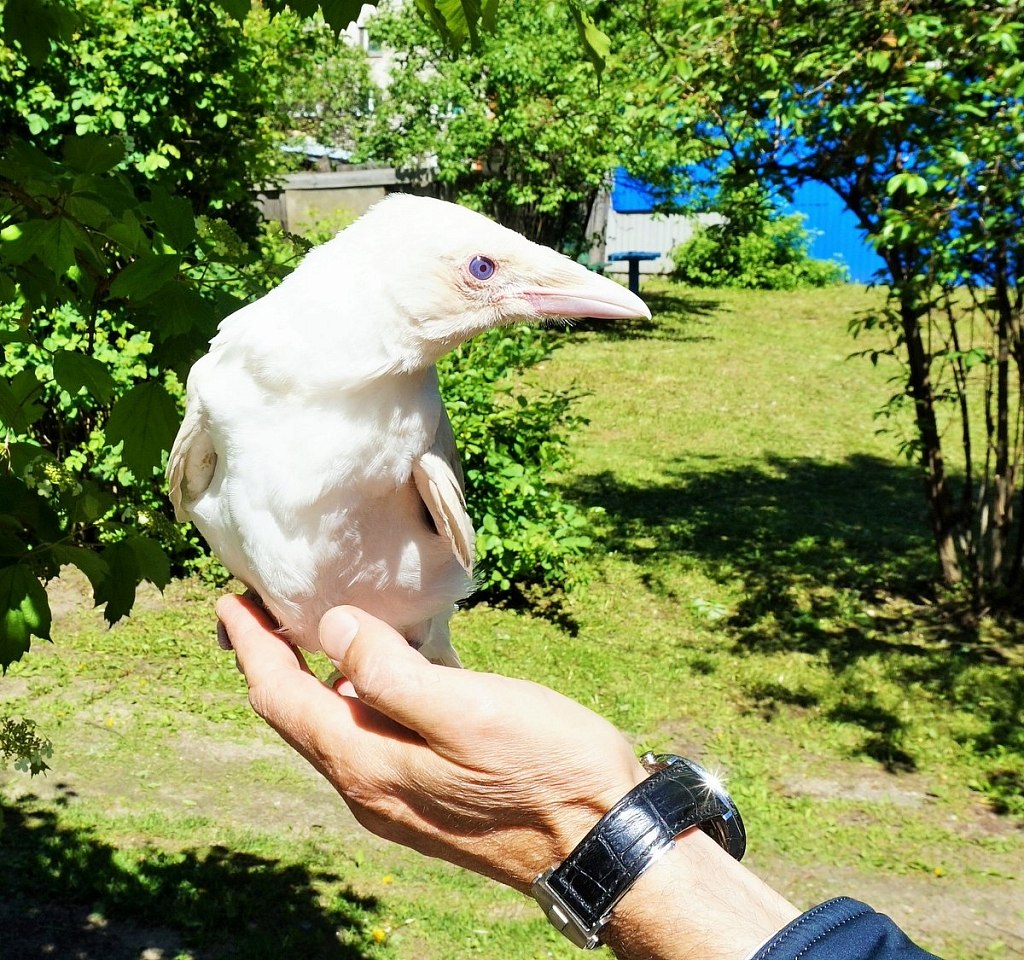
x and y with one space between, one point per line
482 268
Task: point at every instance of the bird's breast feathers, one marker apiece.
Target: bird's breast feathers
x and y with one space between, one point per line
306 497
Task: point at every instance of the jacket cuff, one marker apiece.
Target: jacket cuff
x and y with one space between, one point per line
841 929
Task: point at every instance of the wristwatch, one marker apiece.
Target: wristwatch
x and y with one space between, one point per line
579 894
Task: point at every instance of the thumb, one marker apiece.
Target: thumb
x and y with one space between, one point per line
386 673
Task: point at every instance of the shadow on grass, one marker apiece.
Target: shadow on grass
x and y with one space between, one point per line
65 893
674 316
856 525
834 558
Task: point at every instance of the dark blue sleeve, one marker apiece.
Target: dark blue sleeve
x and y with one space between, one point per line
842 929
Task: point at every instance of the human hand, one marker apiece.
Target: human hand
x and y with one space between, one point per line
499 775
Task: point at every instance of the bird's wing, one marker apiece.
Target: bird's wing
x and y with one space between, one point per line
193 460
439 481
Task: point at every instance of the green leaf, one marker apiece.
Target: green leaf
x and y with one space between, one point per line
128 563
91 504
117 589
24 613
28 511
93 153
88 561
173 216
87 211
977 355
11 545
236 8
340 13
11 414
21 160
17 409
33 24
455 20
145 420
895 182
73 371
54 243
595 41
152 562
179 310
145 276
128 233
15 241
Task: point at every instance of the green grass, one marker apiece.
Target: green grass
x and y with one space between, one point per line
759 600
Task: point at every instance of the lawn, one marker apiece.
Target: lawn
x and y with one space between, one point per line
759 600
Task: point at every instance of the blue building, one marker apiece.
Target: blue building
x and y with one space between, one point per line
835 233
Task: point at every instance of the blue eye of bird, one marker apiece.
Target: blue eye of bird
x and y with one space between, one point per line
482 268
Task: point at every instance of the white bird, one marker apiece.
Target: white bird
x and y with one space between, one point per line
316 456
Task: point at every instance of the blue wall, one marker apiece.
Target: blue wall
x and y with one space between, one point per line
631 195
834 231
833 228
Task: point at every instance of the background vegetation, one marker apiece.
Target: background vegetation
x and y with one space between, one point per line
515 126
134 136
914 117
752 245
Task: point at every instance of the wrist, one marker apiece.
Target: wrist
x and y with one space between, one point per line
659 877
564 823
696 903
574 820
579 894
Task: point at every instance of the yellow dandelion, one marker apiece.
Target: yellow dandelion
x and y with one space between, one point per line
379 934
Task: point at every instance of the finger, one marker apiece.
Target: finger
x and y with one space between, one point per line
253 635
340 736
392 678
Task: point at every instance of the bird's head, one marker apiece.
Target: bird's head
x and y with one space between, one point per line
441 273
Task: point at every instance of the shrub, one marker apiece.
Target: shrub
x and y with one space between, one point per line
513 441
754 247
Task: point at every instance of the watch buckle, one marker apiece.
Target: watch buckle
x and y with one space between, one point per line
562 917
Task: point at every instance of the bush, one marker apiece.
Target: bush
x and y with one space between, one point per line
753 247
131 133
512 443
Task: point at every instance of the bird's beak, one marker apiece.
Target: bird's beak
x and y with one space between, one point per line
592 296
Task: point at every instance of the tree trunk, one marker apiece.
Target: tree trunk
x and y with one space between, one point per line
937 490
1004 479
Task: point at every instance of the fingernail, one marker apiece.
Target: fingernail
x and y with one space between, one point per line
338 629
223 640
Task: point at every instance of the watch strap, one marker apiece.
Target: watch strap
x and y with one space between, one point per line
579 894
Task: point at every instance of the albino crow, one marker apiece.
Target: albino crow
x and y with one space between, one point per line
316 457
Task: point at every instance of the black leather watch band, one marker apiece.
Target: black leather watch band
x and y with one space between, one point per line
578 895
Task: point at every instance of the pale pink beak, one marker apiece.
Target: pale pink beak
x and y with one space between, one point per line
596 296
